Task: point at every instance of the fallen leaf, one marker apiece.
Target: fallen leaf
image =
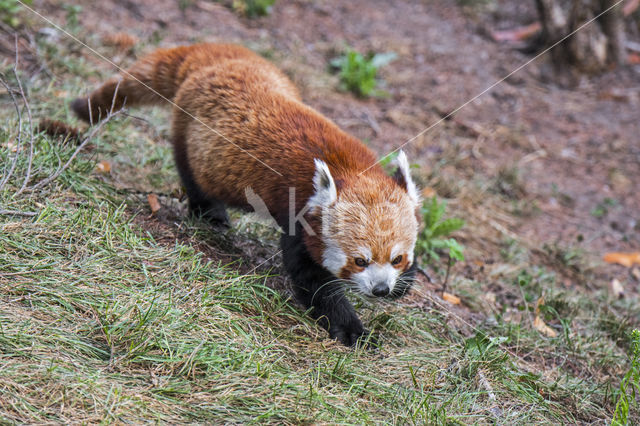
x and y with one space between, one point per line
489 297
635 273
209 7
517 34
543 328
539 324
12 146
104 167
624 259
616 289
633 58
539 303
454 300
428 192
614 95
620 181
153 203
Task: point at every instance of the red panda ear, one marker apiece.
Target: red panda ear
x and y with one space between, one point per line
403 177
326 192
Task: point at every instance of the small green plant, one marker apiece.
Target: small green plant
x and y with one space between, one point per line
73 11
524 278
358 72
253 8
430 240
386 161
9 10
183 5
602 209
630 384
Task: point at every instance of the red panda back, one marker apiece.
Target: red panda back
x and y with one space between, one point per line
157 77
248 132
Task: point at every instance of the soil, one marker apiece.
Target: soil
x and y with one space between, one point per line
528 159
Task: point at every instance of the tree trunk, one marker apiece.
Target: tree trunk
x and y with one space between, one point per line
593 48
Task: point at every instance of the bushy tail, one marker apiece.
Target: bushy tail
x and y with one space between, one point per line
154 78
151 76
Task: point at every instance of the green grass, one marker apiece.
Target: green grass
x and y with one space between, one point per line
107 317
630 385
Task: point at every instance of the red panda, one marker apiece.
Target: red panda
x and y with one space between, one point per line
239 127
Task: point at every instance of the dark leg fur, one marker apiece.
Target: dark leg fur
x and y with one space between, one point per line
200 204
327 302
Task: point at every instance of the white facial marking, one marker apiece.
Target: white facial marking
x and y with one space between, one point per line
333 258
365 253
375 274
395 251
326 191
403 166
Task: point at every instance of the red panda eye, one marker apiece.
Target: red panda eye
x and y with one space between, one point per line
361 262
396 260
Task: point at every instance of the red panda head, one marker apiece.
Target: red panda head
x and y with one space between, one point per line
369 226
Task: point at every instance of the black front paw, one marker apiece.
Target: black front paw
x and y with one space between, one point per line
353 335
214 213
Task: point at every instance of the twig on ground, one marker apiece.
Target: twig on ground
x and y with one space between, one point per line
25 187
14 162
27 176
372 122
17 213
84 142
446 277
495 411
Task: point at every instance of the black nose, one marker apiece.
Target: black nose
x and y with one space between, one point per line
380 290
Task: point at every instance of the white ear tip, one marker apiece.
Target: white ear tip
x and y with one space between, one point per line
325 187
403 166
402 157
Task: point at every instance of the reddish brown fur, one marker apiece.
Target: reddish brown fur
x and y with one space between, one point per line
258 111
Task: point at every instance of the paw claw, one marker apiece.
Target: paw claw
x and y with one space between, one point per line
354 336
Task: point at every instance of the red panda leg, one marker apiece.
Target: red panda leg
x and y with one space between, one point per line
200 204
314 289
